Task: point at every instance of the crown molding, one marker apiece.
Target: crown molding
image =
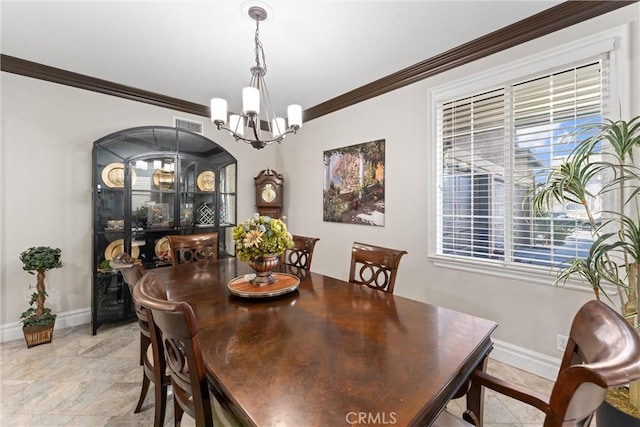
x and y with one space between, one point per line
556 18
548 21
35 70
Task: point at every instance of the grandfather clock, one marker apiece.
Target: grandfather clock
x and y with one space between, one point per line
269 193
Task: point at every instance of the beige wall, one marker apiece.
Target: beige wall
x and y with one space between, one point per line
530 315
47 135
45 187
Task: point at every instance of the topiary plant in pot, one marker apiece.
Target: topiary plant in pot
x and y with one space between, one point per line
604 153
38 321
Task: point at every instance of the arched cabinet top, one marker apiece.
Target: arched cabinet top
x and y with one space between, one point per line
133 142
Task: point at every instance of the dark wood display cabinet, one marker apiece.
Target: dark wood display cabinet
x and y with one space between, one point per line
150 182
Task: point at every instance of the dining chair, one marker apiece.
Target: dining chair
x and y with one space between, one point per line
193 247
374 266
173 325
150 356
302 252
603 351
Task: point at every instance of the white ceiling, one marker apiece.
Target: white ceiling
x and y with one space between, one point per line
196 50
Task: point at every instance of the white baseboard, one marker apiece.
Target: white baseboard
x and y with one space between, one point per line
527 360
13 331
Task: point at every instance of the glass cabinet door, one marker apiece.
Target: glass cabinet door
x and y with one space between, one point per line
204 196
152 201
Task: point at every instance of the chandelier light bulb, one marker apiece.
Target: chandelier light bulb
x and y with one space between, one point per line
294 113
278 127
251 100
218 110
236 125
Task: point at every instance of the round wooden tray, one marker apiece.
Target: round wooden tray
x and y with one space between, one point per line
284 283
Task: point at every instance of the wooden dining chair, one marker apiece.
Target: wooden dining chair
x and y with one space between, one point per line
603 351
374 266
193 247
302 252
173 325
150 355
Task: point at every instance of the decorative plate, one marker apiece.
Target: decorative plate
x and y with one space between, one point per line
113 175
163 180
163 250
207 181
117 246
283 284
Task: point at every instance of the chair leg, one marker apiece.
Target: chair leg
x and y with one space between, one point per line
178 411
145 342
160 404
143 392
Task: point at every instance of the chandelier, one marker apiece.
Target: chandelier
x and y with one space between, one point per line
247 126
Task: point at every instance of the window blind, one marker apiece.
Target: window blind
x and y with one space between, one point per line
494 147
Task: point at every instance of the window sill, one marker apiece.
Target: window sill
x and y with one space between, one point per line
528 274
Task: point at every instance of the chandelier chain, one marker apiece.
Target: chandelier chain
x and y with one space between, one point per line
259 51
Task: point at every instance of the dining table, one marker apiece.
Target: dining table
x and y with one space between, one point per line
329 352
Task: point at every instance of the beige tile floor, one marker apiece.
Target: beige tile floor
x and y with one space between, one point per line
85 380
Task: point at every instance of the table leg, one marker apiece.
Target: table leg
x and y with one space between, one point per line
475 399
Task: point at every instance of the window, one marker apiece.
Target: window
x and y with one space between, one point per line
494 146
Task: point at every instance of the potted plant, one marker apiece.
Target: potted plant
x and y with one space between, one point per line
38 321
604 150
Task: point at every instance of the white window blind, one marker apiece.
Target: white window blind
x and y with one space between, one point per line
494 147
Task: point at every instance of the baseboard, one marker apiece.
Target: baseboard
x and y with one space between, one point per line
527 360
13 331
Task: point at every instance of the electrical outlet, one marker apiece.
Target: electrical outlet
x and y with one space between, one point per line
561 342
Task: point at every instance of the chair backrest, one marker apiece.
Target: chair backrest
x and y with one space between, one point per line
193 247
374 266
603 351
131 273
302 252
173 325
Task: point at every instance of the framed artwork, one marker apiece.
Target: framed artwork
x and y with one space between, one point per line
354 184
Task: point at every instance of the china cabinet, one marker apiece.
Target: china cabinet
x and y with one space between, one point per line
148 183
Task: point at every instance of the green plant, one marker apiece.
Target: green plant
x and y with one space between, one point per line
37 260
261 235
603 150
104 265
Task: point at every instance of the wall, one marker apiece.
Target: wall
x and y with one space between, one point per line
529 315
47 135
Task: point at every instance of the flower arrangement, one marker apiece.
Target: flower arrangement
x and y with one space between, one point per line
261 235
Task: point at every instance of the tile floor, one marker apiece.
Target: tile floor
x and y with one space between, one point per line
85 380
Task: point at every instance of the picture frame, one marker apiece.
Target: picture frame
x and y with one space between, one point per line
354 184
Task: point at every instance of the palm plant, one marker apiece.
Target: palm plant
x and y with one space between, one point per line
603 150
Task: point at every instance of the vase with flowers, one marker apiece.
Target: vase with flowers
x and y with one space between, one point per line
261 240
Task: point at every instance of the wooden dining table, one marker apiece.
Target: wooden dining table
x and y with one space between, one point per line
329 353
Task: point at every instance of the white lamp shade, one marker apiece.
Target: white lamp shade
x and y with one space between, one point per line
294 113
218 110
251 100
236 124
278 127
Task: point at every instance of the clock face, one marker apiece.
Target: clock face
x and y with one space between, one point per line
268 193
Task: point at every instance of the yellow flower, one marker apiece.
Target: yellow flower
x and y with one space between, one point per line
253 238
